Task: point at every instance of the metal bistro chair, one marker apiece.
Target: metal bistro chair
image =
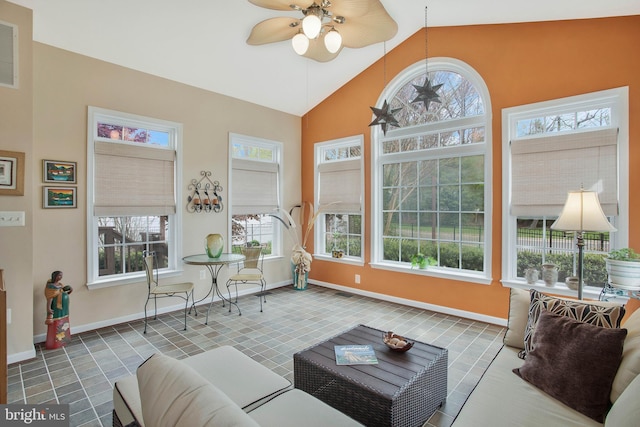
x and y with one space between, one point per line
156 290
249 271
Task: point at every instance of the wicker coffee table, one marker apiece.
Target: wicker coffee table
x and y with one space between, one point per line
403 389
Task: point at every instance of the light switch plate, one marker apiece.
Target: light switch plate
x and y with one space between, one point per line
12 219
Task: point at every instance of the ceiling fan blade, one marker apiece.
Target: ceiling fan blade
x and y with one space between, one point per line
318 52
374 27
273 30
350 8
282 4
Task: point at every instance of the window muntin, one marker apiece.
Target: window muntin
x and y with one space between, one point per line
252 223
529 241
431 175
340 225
117 239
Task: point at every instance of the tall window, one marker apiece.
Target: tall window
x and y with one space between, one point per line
431 176
339 184
132 164
254 192
549 149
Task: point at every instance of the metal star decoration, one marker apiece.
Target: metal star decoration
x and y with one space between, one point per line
384 117
427 93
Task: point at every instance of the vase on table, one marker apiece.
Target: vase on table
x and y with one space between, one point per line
549 274
214 244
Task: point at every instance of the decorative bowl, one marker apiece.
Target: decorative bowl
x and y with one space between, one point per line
396 342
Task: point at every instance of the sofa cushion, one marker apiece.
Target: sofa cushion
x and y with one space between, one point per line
518 314
563 358
172 394
501 399
630 365
598 313
625 412
301 409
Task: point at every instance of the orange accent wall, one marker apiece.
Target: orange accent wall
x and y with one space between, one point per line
521 64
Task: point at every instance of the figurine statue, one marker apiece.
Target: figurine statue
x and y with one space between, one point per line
58 328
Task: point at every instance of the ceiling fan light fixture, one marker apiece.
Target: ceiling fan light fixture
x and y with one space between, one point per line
311 24
300 43
333 41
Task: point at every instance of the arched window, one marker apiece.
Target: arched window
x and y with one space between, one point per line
431 175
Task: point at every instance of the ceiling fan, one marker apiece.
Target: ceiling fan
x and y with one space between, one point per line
325 27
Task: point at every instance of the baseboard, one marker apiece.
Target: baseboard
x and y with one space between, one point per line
417 304
18 357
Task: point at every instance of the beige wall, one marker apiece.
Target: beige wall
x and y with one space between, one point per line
64 85
16 134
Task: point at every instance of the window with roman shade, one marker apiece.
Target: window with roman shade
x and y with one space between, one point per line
549 149
133 165
339 199
255 186
545 169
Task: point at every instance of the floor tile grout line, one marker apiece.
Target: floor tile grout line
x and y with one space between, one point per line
80 379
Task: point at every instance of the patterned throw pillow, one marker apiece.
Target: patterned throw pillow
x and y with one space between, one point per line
606 315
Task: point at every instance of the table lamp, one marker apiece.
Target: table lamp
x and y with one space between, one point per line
582 212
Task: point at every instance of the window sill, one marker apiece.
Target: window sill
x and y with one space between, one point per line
440 272
343 260
588 292
128 280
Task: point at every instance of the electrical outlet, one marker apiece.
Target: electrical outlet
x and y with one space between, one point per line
203 274
357 278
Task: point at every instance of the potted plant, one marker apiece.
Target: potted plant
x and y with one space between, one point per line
623 268
422 261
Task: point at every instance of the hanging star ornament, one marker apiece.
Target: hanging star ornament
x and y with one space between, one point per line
384 117
427 93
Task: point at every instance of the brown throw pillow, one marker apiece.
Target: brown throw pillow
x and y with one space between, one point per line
563 359
598 313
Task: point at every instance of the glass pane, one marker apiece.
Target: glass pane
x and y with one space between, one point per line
594 118
391 249
428 172
561 122
472 257
391 175
106 130
409 199
472 169
449 226
472 228
473 135
429 225
135 134
428 198
391 199
355 151
355 224
159 138
449 198
355 246
391 224
449 255
448 139
472 196
449 171
409 174
530 126
390 147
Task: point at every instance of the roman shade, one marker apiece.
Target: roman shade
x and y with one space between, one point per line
255 187
545 169
340 182
133 180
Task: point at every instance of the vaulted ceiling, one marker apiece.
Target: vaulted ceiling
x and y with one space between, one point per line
203 42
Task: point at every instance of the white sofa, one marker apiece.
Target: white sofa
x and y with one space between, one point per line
221 387
503 399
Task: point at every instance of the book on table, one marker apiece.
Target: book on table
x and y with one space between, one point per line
355 354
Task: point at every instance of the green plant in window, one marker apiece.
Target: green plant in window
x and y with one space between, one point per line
624 254
420 260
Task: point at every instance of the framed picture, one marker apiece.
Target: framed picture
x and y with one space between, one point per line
59 197
11 173
59 172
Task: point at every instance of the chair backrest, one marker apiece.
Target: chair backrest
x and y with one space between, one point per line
253 257
150 268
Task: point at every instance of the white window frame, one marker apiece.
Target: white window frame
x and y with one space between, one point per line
320 251
277 147
174 243
411 72
618 100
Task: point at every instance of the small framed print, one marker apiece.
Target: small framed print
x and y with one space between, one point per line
59 197
59 172
11 173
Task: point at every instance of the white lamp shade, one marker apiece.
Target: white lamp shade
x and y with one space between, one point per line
300 43
311 25
582 212
333 41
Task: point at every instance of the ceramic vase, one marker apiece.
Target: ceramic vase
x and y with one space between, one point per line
531 275
214 243
549 274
